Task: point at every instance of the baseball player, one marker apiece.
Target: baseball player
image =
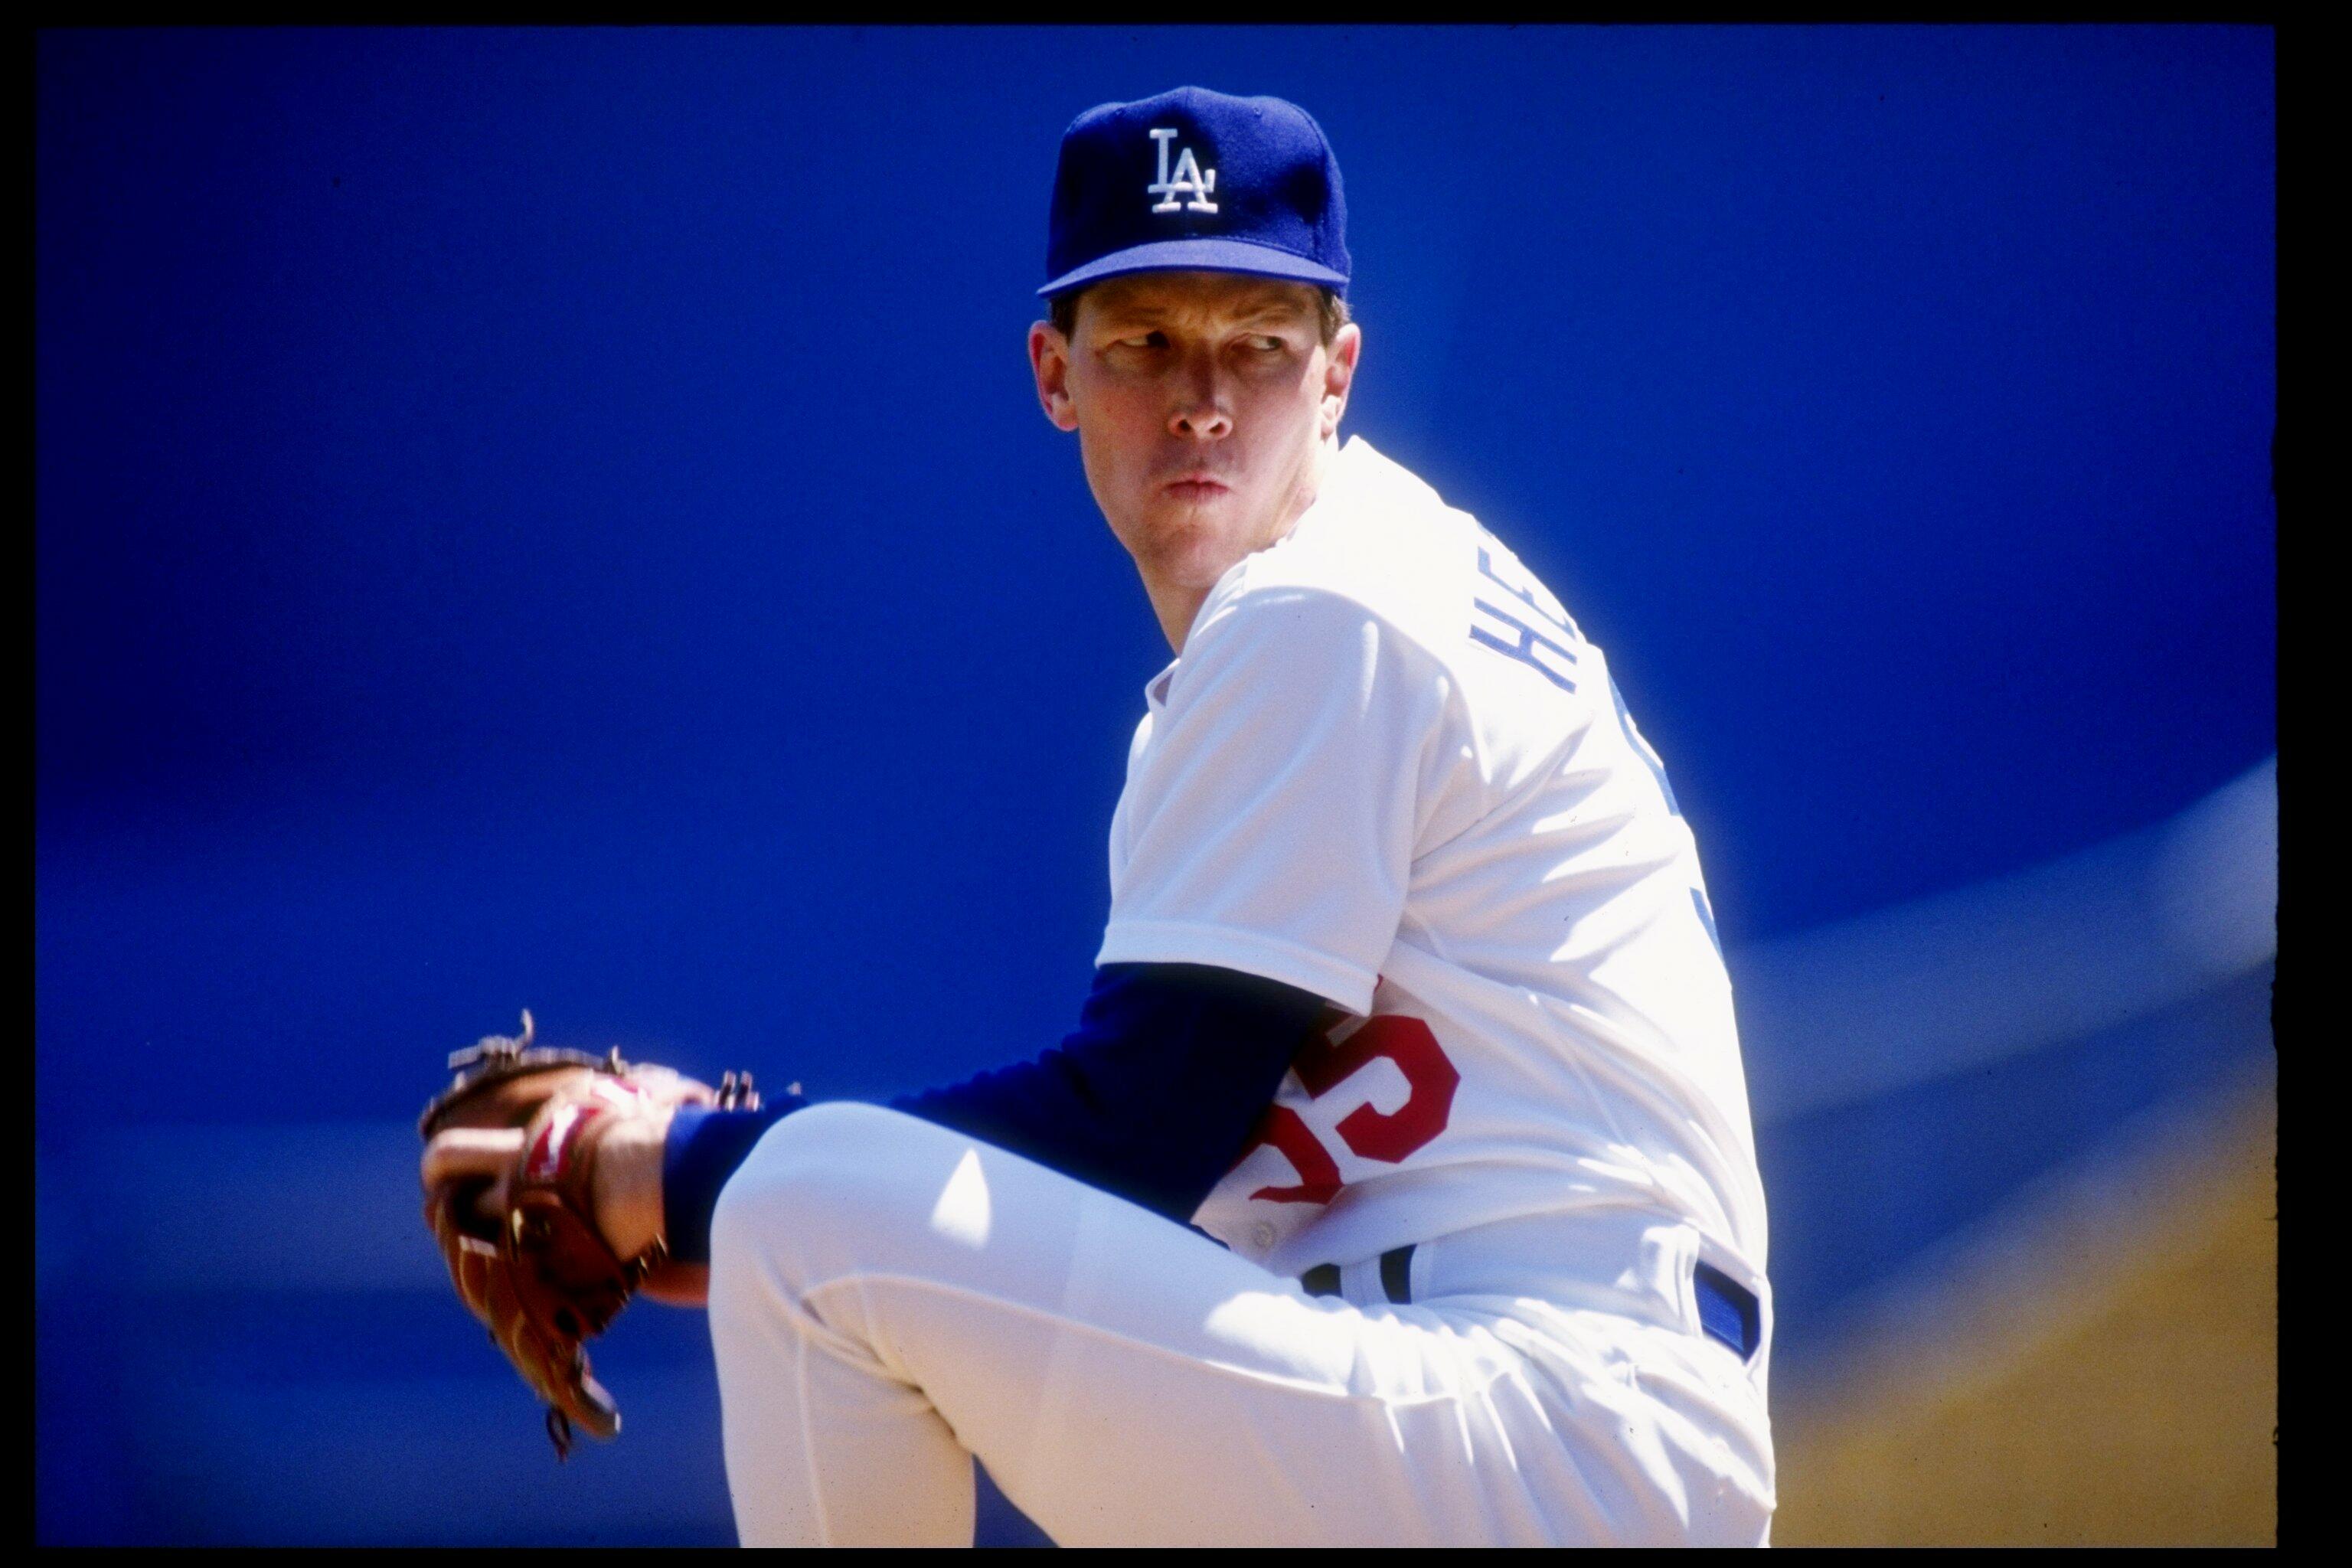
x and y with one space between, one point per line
1397 1186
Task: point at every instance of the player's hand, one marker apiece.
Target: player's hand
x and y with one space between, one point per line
479 1165
541 1172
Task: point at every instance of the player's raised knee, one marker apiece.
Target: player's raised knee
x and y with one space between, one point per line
840 1165
817 1147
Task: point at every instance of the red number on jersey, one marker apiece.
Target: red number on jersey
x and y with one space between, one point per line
1431 1078
1294 1141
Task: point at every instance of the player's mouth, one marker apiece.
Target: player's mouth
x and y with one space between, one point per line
1196 486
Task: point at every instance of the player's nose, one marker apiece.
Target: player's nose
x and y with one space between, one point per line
1201 422
1202 411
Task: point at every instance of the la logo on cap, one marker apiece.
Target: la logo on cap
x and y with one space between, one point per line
1188 179
1281 215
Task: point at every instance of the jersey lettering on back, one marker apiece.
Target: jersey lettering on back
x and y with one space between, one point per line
1550 656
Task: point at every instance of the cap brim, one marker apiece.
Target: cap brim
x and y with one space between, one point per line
1201 256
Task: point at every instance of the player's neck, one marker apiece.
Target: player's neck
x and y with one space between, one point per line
1174 607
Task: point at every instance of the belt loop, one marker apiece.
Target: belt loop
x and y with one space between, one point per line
1396 1274
1396 1277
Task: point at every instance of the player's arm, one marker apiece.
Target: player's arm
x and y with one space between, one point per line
1156 1092
1273 818
1151 1098
1271 822
1270 826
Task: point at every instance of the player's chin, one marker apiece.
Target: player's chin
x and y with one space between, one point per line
1180 546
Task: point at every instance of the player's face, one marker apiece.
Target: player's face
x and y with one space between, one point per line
1202 401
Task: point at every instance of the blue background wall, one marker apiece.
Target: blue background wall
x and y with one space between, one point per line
561 519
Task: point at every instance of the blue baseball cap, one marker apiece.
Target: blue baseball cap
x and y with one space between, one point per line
1197 181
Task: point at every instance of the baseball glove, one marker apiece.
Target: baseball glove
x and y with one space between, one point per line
522 1243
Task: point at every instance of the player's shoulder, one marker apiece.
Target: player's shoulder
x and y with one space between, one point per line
1378 547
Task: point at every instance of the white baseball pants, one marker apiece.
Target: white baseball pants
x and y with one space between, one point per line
890 1299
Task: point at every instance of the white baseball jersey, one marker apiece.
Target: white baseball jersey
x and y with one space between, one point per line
1387 768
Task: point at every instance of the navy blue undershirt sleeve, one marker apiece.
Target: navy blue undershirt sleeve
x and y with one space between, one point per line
1151 1098
1154 1094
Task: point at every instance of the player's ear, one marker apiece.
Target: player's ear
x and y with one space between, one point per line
1339 374
1049 359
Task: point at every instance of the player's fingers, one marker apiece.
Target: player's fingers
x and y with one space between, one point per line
666 1087
469 1153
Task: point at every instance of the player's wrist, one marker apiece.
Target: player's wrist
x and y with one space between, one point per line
626 1183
